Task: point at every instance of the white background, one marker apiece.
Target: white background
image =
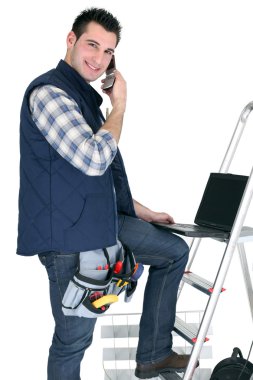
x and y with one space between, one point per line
189 69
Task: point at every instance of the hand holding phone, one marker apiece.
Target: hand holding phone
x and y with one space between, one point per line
110 77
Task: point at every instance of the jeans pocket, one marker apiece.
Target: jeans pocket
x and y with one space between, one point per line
42 259
46 257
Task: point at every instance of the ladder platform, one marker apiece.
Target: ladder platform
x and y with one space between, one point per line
187 331
199 283
246 235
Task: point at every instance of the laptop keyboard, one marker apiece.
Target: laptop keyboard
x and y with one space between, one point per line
185 225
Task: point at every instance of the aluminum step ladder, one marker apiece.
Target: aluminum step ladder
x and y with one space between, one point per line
238 237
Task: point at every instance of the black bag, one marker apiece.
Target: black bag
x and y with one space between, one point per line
233 368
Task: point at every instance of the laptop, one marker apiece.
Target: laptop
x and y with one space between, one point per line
217 210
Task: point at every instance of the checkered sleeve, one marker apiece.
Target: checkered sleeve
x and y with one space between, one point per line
59 119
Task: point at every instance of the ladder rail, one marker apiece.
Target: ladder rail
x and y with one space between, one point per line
246 275
193 251
231 245
193 248
229 155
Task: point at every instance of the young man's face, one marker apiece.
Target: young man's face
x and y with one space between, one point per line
90 55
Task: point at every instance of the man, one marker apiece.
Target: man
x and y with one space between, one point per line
70 171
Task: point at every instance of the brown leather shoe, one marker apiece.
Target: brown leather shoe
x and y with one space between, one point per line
173 363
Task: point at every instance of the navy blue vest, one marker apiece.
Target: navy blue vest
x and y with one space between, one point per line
60 208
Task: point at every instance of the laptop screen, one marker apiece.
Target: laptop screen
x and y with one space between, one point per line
221 200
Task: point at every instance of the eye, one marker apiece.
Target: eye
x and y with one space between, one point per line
109 52
92 44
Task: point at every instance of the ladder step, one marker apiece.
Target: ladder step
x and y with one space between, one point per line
169 376
200 373
186 331
199 283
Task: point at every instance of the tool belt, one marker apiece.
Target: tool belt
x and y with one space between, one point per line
101 276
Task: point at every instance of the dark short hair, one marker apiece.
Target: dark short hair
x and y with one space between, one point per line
101 17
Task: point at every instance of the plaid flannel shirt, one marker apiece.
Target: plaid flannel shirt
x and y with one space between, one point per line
59 119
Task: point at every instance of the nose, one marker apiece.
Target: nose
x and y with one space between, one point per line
98 58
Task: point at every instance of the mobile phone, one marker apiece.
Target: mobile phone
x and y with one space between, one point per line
109 75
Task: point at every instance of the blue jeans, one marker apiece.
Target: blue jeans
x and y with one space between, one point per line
72 335
167 255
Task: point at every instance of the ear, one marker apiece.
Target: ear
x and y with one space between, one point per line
71 39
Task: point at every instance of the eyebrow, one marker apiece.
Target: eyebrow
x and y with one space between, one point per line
97 43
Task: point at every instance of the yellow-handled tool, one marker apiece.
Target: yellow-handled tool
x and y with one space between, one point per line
120 283
105 300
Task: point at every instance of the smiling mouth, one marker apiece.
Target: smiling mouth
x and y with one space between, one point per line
92 67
